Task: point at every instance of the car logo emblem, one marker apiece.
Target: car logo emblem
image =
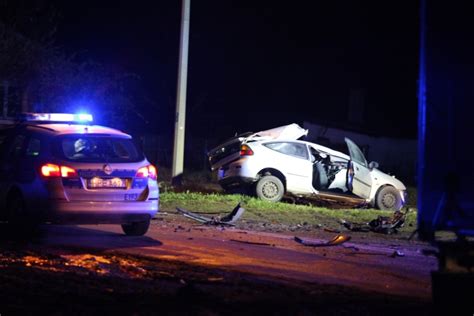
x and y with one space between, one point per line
108 169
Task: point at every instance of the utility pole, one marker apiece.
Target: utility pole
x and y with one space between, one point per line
180 118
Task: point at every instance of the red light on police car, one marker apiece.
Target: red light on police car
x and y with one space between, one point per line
67 172
147 172
51 170
152 172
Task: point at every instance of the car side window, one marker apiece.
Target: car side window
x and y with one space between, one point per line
34 147
287 148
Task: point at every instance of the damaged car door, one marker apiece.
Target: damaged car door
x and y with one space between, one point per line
359 179
293 158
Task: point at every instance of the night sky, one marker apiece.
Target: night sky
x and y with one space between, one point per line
255 65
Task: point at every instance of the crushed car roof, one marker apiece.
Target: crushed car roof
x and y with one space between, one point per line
289 132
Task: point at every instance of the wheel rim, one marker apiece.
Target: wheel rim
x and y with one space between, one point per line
389 200
270 190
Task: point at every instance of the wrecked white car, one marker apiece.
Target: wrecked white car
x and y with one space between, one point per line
273 162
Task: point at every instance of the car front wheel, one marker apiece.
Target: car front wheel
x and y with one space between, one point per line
388 198
136 228
270 188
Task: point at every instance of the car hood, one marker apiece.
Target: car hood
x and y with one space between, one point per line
289 132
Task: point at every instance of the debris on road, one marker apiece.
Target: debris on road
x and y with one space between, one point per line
252 242
397 253
354 248
337 240
227 220
382 224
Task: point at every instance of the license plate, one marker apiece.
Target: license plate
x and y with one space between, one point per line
112 183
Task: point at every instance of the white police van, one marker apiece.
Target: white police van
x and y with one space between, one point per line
59 168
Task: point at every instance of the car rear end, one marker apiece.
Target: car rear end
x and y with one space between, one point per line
231 160
113 183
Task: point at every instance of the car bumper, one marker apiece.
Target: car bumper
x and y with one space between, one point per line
242 167
87 212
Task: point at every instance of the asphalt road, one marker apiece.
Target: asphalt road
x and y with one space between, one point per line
398 268
206 270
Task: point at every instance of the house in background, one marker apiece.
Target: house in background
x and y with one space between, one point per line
396 156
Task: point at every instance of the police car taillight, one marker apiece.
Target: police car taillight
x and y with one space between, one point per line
67 172
147 172
51 170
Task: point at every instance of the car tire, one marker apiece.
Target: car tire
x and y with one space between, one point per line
388 198
136 228
270 188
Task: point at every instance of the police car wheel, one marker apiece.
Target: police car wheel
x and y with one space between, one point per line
136 229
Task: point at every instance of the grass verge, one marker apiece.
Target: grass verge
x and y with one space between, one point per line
263 212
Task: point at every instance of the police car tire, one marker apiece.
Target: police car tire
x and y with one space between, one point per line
136 228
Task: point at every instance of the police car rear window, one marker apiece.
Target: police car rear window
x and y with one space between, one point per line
86 148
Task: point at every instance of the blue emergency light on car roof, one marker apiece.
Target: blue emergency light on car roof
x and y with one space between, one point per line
57 117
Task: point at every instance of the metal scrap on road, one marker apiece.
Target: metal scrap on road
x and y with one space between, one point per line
227 220
382 224
337 240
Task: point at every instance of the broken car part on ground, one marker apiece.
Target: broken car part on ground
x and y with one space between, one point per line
337 240
382 224
227 220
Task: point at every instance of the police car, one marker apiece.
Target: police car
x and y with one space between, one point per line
59 168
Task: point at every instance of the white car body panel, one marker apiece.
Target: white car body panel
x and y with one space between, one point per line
362 183
297 170
380 179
